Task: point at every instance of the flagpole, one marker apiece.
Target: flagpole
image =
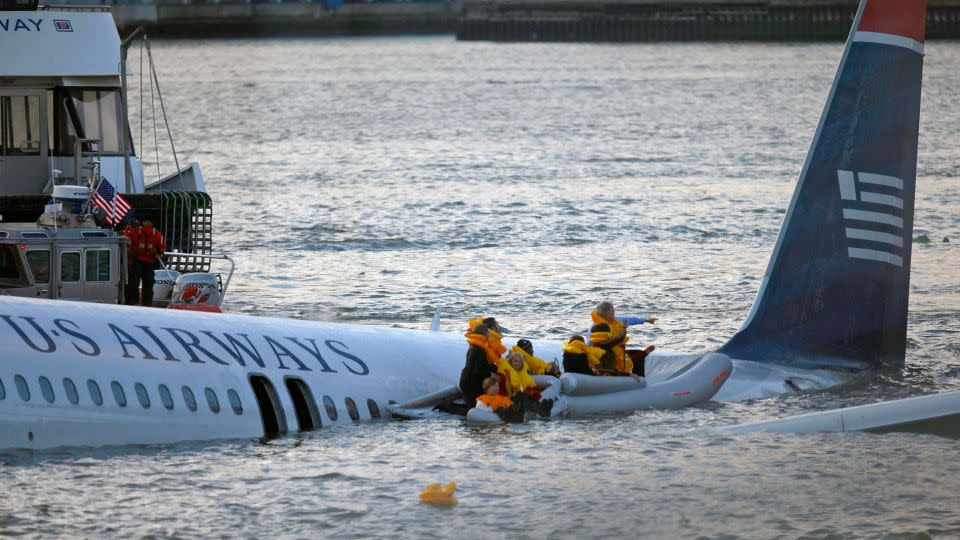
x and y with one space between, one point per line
86 205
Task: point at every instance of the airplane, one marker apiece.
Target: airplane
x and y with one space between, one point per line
833 301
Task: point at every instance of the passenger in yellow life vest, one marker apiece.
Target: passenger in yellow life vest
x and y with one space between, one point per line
491 397
536 365
481 362
610 334
494 335
516 383
578 357
515 375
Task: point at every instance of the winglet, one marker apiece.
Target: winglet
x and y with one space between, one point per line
435 324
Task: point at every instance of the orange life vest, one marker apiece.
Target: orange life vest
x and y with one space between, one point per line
146 246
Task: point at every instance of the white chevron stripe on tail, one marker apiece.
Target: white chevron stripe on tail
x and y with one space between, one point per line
847 181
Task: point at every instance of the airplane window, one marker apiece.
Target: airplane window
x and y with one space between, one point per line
189 399
235 401
374 410
352 410
46 389
142 395
212 400
165 397
3 391
331 408
22 387
118 394
95 394
71 391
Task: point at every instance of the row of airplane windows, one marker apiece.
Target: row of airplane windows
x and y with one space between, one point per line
120 396
166 398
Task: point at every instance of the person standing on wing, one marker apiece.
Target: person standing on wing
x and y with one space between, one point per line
609 332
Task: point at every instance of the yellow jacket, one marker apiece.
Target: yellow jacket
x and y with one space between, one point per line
579 347
517 380
623 362
536 365
493 336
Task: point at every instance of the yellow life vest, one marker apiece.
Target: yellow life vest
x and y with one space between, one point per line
494 337
517 380
481 341
579 347
536 365
496 402
623 363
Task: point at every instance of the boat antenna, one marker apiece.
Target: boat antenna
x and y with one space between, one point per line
163 110
153 119
125 143
140 72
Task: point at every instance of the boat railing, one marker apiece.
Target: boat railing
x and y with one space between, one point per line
177 257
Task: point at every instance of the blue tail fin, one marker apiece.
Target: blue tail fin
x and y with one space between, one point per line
835 291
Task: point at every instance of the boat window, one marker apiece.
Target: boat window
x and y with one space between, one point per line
189 399
374 409
331 408
3 391
118 394
9 267
19 125
22 387
95 394
70 266
39 261
165 397
235 403
142 395
212 400
96 111
34 235
71 390
93 234
352 410
46 389
98 265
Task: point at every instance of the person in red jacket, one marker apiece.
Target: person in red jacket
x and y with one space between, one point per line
146 246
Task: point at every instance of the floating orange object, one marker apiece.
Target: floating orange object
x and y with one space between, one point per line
438 495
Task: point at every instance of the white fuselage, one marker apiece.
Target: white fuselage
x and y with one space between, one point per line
87 344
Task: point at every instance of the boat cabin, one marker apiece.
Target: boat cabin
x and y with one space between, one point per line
62 96
84 263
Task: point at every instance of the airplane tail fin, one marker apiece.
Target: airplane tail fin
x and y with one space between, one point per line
836 288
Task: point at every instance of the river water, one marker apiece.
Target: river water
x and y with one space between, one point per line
371 180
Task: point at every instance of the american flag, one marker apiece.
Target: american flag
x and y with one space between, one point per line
115 206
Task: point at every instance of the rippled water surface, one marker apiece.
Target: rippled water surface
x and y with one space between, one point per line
370 180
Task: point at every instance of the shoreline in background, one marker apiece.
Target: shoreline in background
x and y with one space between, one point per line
520 20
